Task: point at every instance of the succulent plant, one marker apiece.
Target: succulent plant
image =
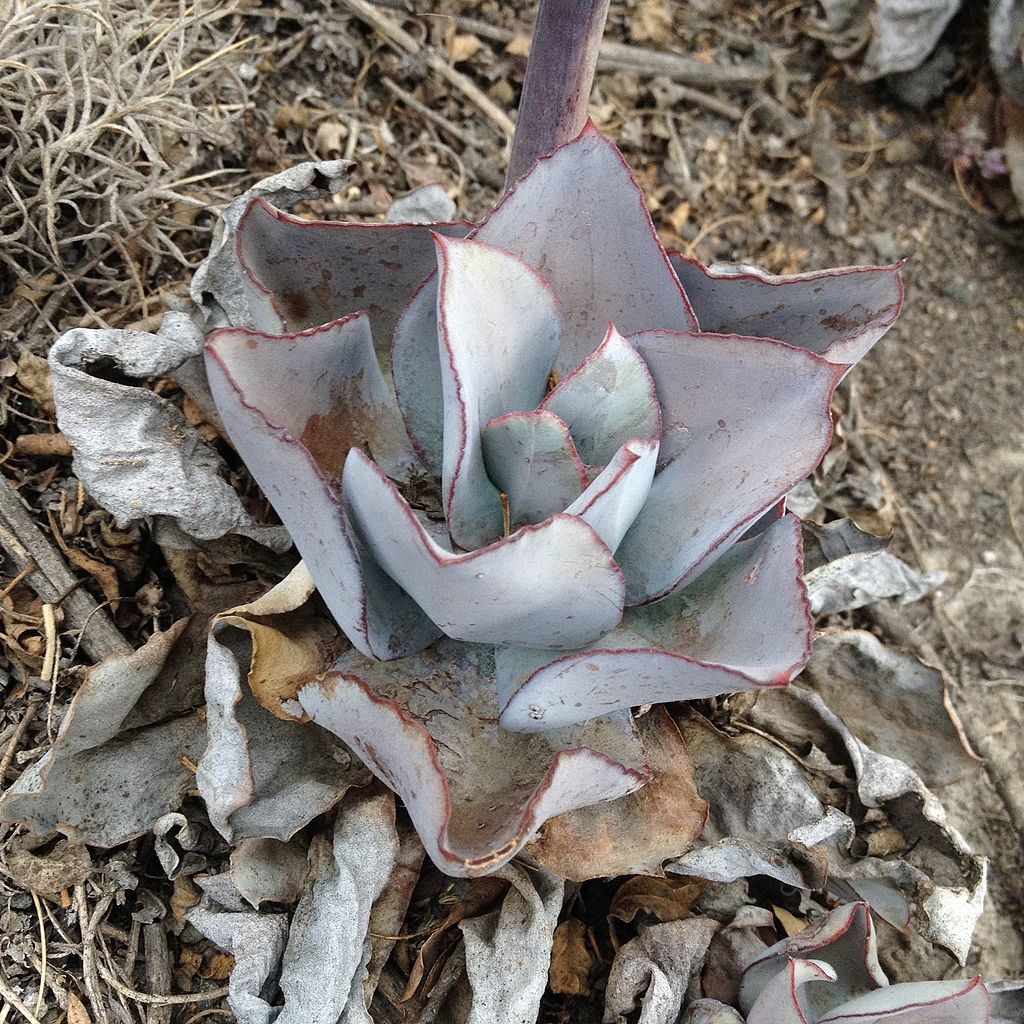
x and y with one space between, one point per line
536 469
830 974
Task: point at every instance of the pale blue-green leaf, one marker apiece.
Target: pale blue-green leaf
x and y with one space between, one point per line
607 400
499 332
744 419
580 219
838 313
530 457
742 625
783 999
314 271
918 1002
325 388
845 940
614 499
552 585
373 612
427 727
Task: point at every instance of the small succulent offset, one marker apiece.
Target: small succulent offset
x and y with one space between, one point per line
536 469
830 974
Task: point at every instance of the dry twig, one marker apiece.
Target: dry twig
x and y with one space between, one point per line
27 545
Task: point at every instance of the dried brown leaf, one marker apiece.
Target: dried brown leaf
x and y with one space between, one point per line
635 834
77 1013
667 899
572 959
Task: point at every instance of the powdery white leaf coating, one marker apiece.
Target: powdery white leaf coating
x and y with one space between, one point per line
844 942
743 420
607 400
783 999
499 330
710 1011
580 219
613 501
864 578
374 613
744 624
530 457
256 941
517 934
920 1002
839 314
420 722
552 585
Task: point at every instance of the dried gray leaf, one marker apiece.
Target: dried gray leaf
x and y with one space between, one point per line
941 875
269 870
330 926
255 940
134 451
427 205
905 33
656 968
520 933
135 776
862 578
891 701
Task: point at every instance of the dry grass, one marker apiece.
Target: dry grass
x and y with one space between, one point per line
112 116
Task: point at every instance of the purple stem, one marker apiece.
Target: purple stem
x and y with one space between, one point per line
559 74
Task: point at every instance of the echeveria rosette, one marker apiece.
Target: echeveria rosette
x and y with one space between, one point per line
605 469
830 974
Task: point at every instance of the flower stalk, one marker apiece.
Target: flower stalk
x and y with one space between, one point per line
559 75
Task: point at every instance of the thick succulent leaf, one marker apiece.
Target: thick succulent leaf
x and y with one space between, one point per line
607 400
783 1000
553 585
636 833
530 457
499 332
744 420
416 371
223 291
839 313
313 271
325 388
918 1002
372 611
579 218
427 726
743 624
845 940
613 501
